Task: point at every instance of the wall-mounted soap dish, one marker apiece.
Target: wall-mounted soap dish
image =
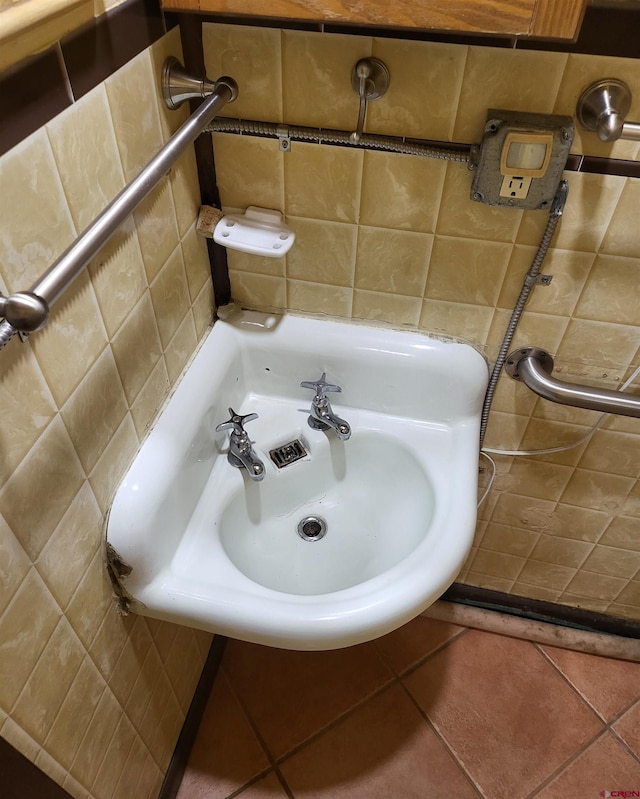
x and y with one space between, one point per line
259 231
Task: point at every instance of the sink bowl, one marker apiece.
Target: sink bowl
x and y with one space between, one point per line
338 545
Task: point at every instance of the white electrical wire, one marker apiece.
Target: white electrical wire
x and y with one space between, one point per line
487 488
565 447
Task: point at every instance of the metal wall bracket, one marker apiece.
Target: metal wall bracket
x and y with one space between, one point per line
602 108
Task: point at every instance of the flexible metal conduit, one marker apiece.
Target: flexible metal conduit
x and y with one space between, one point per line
26 312
460 153
530 280
534 366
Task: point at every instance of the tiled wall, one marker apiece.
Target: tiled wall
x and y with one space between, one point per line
95 700
396 238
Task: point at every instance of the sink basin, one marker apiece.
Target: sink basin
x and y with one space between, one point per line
338 545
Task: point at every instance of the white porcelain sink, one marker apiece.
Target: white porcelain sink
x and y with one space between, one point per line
348 542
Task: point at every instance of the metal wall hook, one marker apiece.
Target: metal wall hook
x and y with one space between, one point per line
602 108
178 85
369 80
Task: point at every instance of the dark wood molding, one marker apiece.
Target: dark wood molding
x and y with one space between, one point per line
20 778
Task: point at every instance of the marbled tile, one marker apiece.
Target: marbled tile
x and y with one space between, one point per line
14 564
252 57
324 63
324 252
249 171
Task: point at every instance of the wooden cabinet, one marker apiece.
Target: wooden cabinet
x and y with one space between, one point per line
557 19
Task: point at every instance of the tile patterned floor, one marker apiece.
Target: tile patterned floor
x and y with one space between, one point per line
431 711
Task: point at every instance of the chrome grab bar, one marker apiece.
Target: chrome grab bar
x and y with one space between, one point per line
534 366
25 312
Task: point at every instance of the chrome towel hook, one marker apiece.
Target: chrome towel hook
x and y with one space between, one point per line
602 108
369 80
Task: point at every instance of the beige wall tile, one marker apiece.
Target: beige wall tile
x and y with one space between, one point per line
48 683
508 539
36 223
461 216
86 153
323 252
623 236
170 296
25 628
599 343
249 171
505 430
136 363
528 513
401 192
430 111
609 291
203 309
96 740
316 78
467 270
91 601
563 551
114 461
318 298
622 533
71 547
497 564
262 265
258 291
595 586
14 564
95 409
469 322
552 576
323 182
180 348
196 262
183 180
546 434
155 221
390 261
518 80
118 276
150 397
605 560
75 326
27 406
114 760
596 490
613 453
75 714
533 478
36 497
134 110
630 594
169 45
382 307
569 269
252 57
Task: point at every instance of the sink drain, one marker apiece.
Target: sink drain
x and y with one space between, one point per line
312 528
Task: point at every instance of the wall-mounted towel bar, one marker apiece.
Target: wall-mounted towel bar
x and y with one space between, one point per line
534 366
25 312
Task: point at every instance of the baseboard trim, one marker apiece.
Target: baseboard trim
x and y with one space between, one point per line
189 730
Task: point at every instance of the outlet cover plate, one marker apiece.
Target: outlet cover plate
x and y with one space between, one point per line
487 185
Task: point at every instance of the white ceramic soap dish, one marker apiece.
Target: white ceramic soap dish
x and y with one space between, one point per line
259 231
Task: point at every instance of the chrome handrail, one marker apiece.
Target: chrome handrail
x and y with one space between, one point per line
26 312
534 366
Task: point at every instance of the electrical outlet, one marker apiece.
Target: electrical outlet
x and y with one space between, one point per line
515 186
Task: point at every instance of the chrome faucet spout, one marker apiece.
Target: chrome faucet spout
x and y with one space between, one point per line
322 416
241 454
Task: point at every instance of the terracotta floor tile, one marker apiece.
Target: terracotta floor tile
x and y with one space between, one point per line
226 754
411 643
628 728
604 766
383 750
267 788
511 719
292 695
608 685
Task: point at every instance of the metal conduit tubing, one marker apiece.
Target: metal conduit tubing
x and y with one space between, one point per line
70 264
533 374
555 212
250 127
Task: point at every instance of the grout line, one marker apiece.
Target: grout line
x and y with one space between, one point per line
413 668
564 766
475 786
